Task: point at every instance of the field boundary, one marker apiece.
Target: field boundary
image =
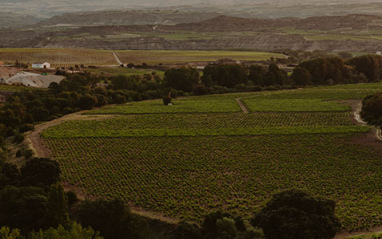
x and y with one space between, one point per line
242 106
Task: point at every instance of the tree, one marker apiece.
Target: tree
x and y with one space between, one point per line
86 102
7 233
278 75
221 225
257 74
294 214
227 75
111 218
372 109
301 76
182 78
76 231
9 175
40 172
370 65
186 230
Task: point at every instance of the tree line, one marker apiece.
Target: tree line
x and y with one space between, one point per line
224 78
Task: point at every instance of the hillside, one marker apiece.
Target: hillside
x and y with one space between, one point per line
353 33
132 17
14 20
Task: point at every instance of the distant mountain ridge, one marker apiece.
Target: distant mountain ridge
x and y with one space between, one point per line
355 33
128 17
324 23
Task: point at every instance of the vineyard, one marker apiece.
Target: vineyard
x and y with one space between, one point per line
203 154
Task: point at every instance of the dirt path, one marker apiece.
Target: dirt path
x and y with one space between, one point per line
242 106
117 59
363 233
358 118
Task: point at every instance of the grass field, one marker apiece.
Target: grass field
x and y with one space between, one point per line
72 57
166 57
124 71
203 154
58 57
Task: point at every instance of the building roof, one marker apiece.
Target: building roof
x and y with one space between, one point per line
35 63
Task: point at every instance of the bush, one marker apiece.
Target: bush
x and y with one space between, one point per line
166 100
72 197
294 214
26 127
19 138
28 153
19 153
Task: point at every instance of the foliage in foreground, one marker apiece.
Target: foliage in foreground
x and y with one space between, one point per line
372 109
75 231
294 214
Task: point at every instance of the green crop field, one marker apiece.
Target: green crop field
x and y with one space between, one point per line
180 106
204 154
72 57
166 57
147 125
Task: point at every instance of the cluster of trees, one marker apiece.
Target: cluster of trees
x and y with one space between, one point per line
223 78
334 70
372 109
32 198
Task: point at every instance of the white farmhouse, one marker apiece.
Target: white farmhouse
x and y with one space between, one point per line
41 65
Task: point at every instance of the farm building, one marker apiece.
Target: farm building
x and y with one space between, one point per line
33 80
41 65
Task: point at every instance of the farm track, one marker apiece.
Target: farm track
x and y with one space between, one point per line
357 117
242 106
117 59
